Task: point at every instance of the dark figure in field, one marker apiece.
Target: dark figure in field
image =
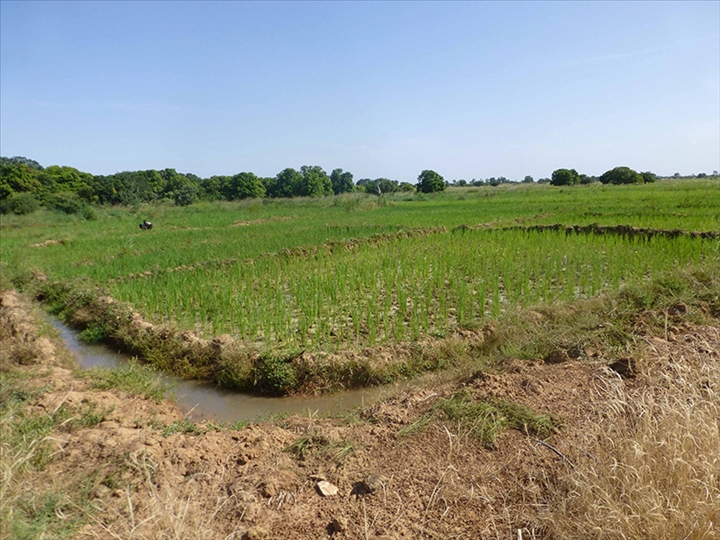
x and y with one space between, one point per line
145 225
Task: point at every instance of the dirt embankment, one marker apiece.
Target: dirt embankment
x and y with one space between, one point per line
394 470
234 364
627 231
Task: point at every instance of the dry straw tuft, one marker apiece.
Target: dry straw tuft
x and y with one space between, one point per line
652 468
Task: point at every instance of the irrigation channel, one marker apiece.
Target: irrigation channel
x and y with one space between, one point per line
203 401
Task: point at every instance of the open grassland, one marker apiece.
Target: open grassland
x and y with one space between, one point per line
359 271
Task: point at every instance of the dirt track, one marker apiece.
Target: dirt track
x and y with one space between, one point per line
262 481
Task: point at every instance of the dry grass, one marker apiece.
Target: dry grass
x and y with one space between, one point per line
152 512
652 468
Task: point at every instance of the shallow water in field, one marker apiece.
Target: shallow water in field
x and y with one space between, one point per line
203 401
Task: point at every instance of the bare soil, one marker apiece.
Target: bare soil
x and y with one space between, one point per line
262 481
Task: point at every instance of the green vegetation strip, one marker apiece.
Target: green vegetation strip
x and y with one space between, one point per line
601 322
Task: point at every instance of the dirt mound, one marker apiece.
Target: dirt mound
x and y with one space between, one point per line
51 242
20 340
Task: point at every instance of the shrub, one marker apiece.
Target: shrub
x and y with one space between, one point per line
20 204
622 175
69 203
649 177
565 177
274 374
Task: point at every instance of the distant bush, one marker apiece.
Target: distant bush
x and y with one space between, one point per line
622 175
565 177
69 203
20 204
649 177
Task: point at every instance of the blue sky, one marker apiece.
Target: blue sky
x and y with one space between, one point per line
381 89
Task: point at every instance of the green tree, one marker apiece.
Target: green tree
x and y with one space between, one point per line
69 179
210 188
382 186
429 182
20 178
242 186
565 177
316 182
288 183
622 175
20 160
178 187
649 177
342 182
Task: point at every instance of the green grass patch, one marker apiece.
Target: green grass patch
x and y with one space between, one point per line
45 515
483 420
183 426
316 445
94 333
135 378
356 274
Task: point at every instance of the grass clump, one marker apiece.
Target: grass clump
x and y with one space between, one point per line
44 515
313 444
134 378
484 420
25 447
94 333
183 426
275 374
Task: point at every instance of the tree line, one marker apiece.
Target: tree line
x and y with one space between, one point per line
25 185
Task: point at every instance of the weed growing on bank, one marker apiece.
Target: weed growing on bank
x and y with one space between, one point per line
484 420
133 377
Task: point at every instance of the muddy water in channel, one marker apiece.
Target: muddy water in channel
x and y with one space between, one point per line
203 401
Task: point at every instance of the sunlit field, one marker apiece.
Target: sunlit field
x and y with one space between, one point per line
358 270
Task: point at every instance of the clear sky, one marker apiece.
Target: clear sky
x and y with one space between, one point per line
381 89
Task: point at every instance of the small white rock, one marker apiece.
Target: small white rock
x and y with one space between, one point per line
326 489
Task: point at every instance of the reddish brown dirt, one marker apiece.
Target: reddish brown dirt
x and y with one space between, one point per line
437 483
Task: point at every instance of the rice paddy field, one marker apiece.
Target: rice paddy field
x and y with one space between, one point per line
357 271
